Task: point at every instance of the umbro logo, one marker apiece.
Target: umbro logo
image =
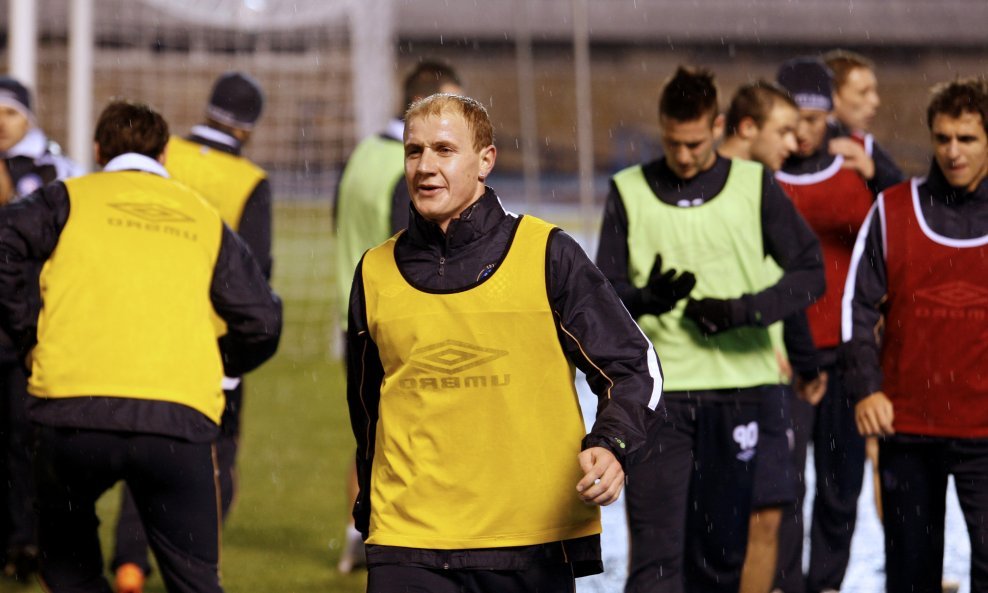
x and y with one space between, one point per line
153 212
452 357
958 301
956 294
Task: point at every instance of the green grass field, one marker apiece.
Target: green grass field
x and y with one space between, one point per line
283 534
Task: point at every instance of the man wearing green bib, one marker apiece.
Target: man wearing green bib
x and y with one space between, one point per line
714 221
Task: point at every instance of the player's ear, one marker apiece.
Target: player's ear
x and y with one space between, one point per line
718 126
487 157
747 128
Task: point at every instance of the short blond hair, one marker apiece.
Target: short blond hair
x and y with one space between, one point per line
472 111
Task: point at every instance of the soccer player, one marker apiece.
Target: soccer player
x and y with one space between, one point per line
914 327
209 161
856 103
476 472
684 241
834 199
126 368
372 204
28 160
761 126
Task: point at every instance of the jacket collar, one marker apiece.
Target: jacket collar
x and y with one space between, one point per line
33 145
474 223
395 129
942 190
215 139
131 161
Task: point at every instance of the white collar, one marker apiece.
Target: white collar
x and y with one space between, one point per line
34 145
132 161
216 136
395 129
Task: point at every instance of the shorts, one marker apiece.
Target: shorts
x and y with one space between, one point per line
775 477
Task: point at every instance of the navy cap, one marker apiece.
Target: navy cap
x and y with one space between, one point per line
809 81
236 100
14 94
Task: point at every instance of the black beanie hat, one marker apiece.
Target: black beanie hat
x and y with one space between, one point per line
809 81
14 94
236 100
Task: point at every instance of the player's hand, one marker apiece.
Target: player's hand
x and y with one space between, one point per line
855 156
785 369
874 415
811 391
603 479
713 316
665 288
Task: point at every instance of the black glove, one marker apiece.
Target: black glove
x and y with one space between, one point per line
665 289
714 316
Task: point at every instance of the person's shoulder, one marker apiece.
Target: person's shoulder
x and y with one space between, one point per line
837 129
561 243
738 164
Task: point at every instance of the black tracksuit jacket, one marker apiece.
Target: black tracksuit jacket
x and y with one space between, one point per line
613 349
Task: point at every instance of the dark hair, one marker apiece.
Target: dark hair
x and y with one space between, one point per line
472 111
964 95
426 79
755 100
689 95
126 126
841 62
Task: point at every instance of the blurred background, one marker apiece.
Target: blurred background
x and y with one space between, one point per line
571 85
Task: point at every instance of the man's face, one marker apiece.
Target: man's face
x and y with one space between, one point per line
960 147
811 129
856 101
13 127
443 170
689 145
776 139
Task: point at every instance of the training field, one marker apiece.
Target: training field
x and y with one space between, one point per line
283 533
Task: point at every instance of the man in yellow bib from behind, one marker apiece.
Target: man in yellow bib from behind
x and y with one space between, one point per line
209 161
126 368
476 473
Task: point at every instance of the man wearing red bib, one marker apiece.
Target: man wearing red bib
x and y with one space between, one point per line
915 326
830 192
475 470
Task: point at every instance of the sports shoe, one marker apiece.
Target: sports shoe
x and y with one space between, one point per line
130 578
354 555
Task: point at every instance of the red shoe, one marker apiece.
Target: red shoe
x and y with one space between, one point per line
130 578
